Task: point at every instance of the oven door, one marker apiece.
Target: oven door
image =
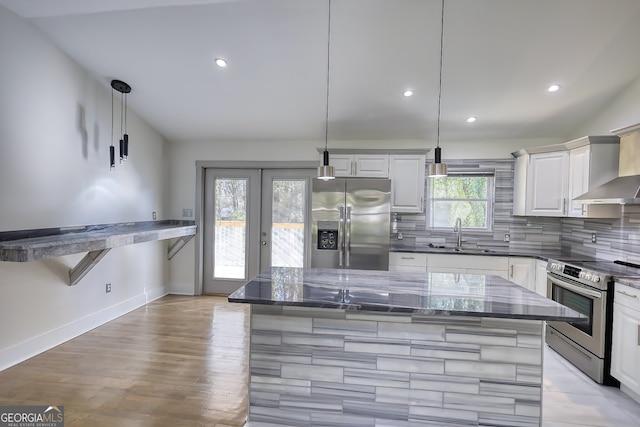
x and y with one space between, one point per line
586 300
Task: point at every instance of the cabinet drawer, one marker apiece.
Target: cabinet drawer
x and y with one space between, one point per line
408 259
627 296
475 262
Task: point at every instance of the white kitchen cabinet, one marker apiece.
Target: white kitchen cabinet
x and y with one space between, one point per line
593 162
548 178
407 262
360 165
521 168
469 264
541 278
578 178
548 184
523 272
625 352
407 173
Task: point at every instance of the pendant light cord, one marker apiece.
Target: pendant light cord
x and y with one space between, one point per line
326 119
440 78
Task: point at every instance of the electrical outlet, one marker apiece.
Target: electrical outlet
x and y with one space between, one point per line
108 287
507 237
153 214
187 213
593 238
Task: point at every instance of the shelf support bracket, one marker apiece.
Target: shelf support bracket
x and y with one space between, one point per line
85 265
177 245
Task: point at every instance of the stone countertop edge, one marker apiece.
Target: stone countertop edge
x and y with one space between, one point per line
629 281
499 252
435 294
37 244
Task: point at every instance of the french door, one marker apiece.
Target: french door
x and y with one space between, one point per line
254 219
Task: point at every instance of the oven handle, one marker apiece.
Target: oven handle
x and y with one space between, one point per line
578 289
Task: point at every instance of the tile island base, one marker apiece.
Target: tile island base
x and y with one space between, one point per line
381 349
335 367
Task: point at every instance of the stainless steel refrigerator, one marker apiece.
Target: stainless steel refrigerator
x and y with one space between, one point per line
350 223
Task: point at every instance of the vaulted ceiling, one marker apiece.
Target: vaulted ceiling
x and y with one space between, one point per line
499 57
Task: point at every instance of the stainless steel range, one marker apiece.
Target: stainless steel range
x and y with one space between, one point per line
587 287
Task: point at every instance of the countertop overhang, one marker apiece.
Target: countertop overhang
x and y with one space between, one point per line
96 240
446 294
37 244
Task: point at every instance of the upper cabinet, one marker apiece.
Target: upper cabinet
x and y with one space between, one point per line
361 165
548 178
407 173
547 184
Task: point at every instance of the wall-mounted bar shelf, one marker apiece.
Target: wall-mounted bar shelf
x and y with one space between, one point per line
96 240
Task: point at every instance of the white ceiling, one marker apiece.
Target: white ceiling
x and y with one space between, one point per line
499 57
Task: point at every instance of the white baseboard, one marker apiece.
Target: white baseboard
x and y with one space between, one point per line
20 352
155 294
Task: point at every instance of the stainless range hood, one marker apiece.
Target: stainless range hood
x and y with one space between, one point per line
625 189
620 190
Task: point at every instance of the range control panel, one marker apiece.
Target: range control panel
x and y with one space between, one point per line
591 277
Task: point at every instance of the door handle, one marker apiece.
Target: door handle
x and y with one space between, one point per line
511 273
340 236
578 289
348 238
629 295
263 243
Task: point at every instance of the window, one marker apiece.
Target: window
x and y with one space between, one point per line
468 196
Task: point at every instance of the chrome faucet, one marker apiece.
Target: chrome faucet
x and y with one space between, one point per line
458 229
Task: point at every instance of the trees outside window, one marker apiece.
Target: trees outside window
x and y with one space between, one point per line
467 197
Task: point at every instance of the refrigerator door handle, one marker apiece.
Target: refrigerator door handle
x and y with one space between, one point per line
340 235
347 244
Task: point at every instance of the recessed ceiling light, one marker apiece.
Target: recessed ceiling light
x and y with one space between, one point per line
471 119
221 63
408 92
553 88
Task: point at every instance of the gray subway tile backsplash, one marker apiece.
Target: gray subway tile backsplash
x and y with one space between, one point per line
616 238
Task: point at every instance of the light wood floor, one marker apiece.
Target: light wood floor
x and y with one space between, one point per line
179 361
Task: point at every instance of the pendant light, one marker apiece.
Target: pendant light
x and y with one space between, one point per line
326 171
437 168
124 89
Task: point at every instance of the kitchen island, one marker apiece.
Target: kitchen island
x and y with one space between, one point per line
374 348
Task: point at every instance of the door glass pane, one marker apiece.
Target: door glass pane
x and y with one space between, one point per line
577 302
287 228
230 230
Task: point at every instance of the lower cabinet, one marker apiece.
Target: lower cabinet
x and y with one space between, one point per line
407 262
523 272
470 264
625 353
526 272
541 278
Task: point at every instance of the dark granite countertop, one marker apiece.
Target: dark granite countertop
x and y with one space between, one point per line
543 255
383 291
32 245
634 282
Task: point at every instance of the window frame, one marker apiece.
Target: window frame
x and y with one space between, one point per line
491 200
